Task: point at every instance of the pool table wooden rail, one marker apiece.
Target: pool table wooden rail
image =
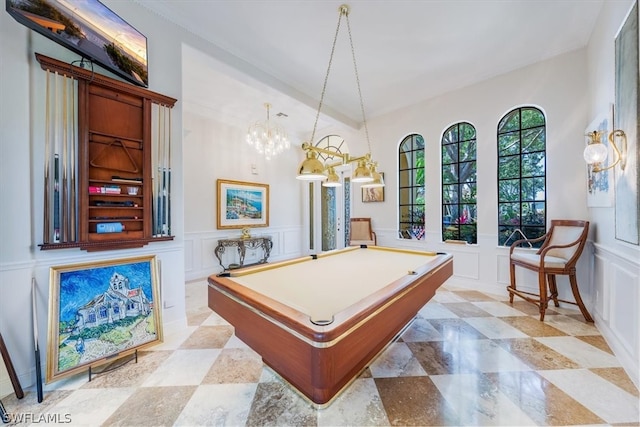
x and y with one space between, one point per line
320 360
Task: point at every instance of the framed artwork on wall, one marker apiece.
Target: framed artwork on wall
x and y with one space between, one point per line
99 311
600 184
375 194
627 98
242 204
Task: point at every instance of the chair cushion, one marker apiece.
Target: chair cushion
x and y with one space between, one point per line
362 242
563 235
360 230
533 259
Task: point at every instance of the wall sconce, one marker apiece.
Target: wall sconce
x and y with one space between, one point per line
596 152
312 169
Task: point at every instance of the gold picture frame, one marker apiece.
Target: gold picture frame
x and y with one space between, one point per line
100 311
242 204
375 194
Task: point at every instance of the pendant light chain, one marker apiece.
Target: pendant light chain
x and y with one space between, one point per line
355 67
343 11
312 169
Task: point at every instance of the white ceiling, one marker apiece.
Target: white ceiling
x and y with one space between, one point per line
277 51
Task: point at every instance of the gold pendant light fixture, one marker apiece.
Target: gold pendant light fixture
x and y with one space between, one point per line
311 168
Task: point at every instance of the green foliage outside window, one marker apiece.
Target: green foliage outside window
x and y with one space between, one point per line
459 187
411 186
521 175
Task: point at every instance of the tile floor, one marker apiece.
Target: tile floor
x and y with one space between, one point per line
467 359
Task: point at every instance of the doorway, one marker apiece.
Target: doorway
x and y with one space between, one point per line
328 212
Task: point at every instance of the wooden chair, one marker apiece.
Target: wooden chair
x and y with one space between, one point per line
558 254
361 233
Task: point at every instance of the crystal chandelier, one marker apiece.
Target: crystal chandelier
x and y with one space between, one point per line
269 139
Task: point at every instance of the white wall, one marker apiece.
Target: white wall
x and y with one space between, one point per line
556 86
615 264
214 150
21 180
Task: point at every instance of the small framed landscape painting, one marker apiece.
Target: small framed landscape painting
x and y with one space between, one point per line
242 204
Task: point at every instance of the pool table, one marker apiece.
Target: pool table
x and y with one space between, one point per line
319 320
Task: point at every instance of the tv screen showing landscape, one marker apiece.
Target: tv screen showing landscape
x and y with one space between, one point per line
90 29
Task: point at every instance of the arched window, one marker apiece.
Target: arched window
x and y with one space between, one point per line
411 191
522 209
459 189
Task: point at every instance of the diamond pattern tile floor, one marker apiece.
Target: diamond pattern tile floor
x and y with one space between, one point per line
468 358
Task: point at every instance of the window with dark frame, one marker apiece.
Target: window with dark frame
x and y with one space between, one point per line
522 209
459 184
411 188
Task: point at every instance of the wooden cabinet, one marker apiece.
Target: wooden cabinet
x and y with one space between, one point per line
114 161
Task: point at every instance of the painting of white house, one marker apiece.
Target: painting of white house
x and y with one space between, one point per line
99 312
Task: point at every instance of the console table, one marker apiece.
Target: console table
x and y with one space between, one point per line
263 243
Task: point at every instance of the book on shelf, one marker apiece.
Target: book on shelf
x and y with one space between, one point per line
108 189
112 189
109 227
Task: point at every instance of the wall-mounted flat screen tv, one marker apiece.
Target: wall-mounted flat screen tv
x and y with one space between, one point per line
90 29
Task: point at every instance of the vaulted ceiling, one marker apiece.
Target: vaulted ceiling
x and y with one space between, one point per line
277 51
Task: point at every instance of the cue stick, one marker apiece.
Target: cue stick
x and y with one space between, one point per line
15 382
65 216
165 174
46 230
161 182
56 162
168 139
35 340
158 215
3 414
74 210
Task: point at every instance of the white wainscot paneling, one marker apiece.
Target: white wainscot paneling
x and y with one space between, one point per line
188 255
200 249
624 297
466 264
601 284
16 321
616 278
291 243
502 268
208 260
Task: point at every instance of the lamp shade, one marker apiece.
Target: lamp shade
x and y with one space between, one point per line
362 173
311 169
595 153
333 180
378 181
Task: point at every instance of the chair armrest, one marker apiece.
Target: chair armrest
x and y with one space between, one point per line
517 243
550 247
375 238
